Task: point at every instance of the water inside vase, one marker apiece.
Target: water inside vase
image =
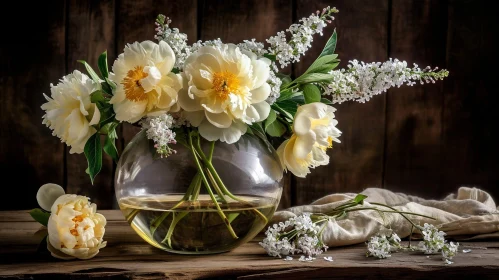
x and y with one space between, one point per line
199 228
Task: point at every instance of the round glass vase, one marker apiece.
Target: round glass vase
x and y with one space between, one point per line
205 198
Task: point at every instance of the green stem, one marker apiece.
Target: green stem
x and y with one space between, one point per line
210 192
416 226
221 185
192 189
215 186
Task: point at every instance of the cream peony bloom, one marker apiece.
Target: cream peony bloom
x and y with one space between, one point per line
145 84
225 89
69 111
75 229
314 130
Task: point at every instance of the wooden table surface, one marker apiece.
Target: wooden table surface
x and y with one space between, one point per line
127 256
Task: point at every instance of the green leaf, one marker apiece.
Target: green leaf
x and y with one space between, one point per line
272 57
314 78
326 67
40 216
110 83
330 45
110 148
90 71
311 93
270 119
359 199
106 88
257 129
326 101
97 97
285 79
275 129
102 64
285 113
93 153
287 94
176 70
321 61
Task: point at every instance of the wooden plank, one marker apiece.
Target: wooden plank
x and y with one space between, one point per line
470 114
127 256
413 157
356 163
234 21
90 32
136 23
31 57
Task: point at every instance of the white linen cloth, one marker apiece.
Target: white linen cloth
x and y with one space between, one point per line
471 213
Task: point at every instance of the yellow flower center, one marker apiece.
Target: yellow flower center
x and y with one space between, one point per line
330 141
131 83
330 144
225 83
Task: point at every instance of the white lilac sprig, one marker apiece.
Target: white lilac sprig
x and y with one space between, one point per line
433 239
301 37
434 242
381 245
449 250
361 81
175 39
297 235
159 129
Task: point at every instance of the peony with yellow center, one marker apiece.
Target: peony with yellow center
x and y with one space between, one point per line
224 90
145 84
75 228
314 131
70 112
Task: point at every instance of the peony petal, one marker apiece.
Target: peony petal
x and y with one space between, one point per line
298 169
263 109
130 111
302 123
152 79
234 132
261 72
47 194
303 145
187 103
167 56
195 118
209 131
221 120
260 94
212 104
96 117
210 62
57 253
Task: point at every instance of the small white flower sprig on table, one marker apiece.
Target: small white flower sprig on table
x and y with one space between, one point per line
75 229
303 235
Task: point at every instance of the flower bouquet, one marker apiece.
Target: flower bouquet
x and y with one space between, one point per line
220 124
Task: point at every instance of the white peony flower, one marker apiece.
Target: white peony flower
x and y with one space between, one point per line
48 194
314 130
225 89
145 84
69 111
75 229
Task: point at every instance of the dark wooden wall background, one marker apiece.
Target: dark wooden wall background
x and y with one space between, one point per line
425 140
